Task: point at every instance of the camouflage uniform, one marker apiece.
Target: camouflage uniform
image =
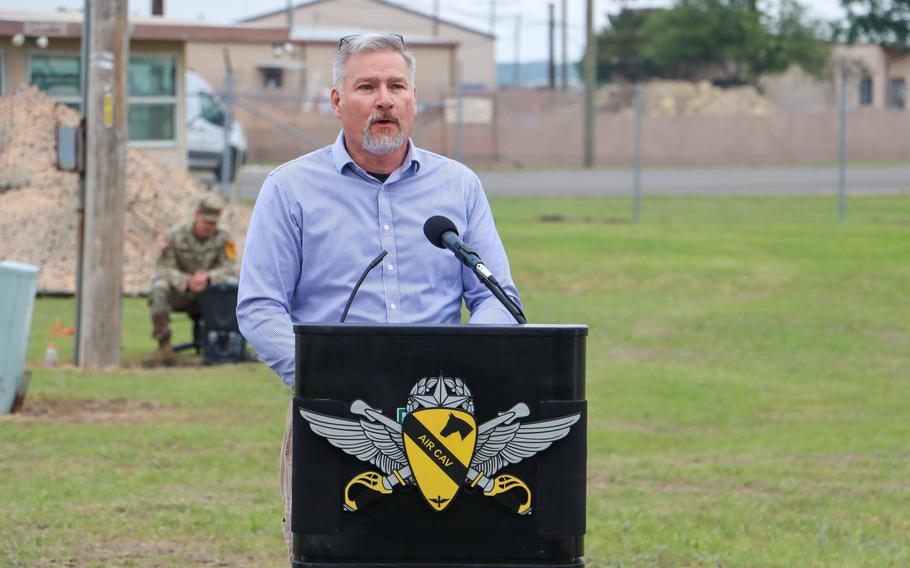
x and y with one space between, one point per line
183 255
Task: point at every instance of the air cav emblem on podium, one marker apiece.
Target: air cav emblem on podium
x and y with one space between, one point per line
439 447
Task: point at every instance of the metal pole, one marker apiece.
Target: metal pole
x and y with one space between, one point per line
516 65
590 81
565 44
842 171
435 18
227 165
492 17
105 184
459 109
80 207
290 13
638 112
551 67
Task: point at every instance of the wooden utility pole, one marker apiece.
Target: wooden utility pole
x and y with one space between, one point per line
105 181
516 64
565 45
590 83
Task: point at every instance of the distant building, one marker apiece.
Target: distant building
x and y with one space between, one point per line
475 49
876 79
156 117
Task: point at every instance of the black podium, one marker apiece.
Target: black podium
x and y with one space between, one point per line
445 445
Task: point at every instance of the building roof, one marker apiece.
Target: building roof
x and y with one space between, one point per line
331 34
384 3
69 25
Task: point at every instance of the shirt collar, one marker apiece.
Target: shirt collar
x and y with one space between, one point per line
341 158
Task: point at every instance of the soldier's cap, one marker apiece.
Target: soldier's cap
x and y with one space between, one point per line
210 207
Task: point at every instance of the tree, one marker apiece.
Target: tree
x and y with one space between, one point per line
886 22
725 41
619 47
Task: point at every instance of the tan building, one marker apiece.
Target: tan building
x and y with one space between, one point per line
876 79
297 69
476 49
43 49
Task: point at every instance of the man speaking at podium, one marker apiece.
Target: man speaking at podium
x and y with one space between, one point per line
320 219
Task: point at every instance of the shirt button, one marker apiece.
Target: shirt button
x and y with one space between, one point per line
393 306
386 227
390 266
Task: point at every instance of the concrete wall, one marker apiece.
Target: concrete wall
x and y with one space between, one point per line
540 129
477 50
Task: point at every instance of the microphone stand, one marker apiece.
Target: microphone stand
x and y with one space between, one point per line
493 285
363 276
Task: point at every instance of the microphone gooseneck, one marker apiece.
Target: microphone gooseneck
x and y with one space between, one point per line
443 233
363 276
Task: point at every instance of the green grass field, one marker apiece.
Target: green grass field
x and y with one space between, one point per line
748 380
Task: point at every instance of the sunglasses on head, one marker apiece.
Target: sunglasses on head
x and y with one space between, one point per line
349 38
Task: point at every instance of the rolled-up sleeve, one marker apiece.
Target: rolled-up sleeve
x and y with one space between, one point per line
268 275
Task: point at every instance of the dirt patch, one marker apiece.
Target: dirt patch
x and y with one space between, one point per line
89 411
151 554
556 218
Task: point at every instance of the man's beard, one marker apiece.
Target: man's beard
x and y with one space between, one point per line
381 145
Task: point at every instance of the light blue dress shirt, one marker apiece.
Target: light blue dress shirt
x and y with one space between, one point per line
320 219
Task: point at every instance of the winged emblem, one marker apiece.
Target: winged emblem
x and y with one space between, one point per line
439 447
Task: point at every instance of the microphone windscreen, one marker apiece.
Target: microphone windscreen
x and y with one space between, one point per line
436 226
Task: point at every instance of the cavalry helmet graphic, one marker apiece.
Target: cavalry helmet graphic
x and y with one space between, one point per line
440 392
439 447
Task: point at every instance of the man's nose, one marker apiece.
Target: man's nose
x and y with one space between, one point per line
384 97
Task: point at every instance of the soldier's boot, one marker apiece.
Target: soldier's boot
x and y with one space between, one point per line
161 330
163 356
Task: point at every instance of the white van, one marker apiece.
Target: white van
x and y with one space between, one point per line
205 115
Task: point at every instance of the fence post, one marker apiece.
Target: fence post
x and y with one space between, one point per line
842 171
638 113
227 156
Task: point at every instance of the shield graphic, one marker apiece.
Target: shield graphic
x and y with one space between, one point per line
439 443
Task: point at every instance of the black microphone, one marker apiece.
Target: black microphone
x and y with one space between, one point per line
363 276
443 233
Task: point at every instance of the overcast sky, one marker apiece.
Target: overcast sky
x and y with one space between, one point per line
471 13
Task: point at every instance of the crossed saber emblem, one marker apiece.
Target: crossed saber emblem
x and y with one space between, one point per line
369 440
474 478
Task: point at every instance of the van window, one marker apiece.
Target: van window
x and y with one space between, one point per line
211 109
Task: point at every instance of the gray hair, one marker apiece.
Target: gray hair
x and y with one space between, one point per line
369 43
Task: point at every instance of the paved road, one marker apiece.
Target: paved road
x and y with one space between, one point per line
710 182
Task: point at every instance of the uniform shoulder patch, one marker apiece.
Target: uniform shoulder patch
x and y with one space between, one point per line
230 250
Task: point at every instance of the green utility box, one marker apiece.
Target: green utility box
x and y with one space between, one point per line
17 300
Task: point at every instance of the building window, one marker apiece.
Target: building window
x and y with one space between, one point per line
272 77
151 84
153 97
897 93
57 75
865 91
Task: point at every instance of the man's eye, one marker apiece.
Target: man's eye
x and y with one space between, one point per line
364 87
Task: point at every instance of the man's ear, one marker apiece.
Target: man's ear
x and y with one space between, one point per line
336 102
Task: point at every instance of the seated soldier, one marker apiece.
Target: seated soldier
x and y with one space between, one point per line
193 256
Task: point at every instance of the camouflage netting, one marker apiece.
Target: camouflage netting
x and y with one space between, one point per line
38 203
